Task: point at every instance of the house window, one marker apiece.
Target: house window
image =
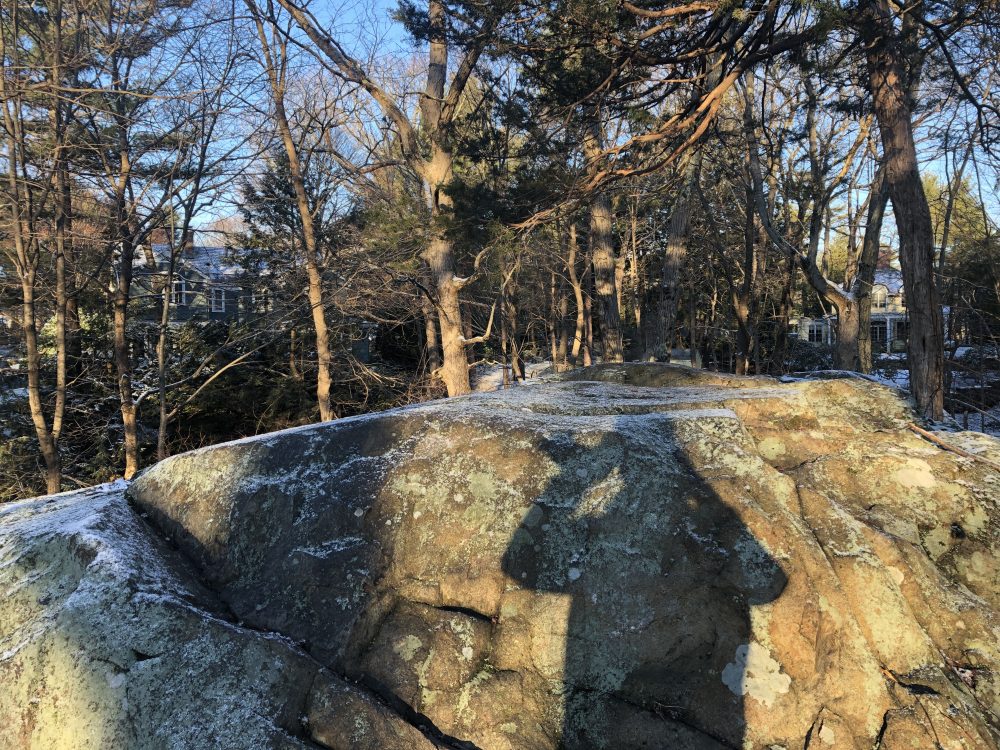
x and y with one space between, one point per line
817 333
880 298
178 292
217 297
879 334
902 330
260 301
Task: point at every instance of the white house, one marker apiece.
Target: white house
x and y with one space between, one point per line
889 324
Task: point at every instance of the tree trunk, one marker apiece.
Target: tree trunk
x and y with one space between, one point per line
438 173
893 110
429 156
603 261
552 323
562 313
439 256
276 70
293 366
746 337
636 291
22 232
845 351
508 315
47 445
673 260
588 318
867 263
780 354
579 333
161 355
324 359
505 354
122 357
61 216
602 254
432 348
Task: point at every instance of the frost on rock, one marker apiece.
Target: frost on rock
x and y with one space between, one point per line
628 556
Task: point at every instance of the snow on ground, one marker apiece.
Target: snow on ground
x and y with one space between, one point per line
979 422
490 377
14 394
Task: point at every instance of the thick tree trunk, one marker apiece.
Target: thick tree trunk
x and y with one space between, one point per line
673 260
845 351
602 255
893 110
440 258
438 173
603 261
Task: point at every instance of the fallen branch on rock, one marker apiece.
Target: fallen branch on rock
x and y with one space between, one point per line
949 447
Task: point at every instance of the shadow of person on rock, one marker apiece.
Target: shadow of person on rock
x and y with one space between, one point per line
661 575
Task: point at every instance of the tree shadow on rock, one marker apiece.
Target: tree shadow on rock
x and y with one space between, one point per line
662 577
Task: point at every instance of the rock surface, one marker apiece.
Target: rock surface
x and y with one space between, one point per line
638 556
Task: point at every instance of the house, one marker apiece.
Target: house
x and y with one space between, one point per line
207 284
889 322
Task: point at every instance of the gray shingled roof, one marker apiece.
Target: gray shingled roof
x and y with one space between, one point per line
211 262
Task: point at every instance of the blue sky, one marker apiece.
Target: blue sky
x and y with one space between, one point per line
364 26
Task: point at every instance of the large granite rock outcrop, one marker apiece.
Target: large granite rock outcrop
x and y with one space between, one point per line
635 556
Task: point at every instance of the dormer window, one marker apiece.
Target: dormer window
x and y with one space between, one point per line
217 298
178 292
880 298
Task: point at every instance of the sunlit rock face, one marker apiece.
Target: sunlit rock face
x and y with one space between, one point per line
638 556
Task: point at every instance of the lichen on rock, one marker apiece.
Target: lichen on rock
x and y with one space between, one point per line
629 556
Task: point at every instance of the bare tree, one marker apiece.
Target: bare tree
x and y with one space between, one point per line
434 165
38 185
274 47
